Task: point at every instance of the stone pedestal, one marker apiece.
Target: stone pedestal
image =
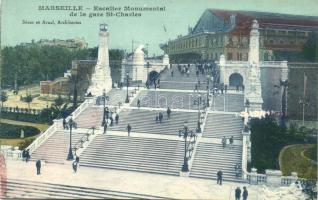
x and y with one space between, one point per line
273 177
294 177
253 180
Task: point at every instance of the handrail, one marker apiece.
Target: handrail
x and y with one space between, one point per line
43 137
83 139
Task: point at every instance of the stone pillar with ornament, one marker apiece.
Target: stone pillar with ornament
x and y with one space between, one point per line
101 79
253 90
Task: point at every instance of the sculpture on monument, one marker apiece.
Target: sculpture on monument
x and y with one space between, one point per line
101 79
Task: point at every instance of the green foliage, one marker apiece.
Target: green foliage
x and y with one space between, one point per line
26 143
59 101
267 140
31 64
311 152
27 117
4 97
310 49
9 131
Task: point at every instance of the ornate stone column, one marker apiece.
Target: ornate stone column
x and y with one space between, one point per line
101 79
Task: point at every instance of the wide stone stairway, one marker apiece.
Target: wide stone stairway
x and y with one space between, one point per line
219 125
143 121
90 117
55 149
134 154
21 189
163 99
210 158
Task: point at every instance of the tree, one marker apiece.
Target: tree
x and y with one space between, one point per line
310 49
4 98
29 99
59 101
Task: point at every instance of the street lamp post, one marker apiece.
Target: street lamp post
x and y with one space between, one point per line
71 123
185 132
105 98
127 81
208 91
199 102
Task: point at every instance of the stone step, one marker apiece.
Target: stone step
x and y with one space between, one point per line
48 190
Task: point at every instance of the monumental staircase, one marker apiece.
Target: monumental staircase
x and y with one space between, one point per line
143 121
151 155
55 149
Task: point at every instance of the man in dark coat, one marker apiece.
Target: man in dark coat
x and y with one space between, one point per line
27 155
219 175
168 113
105 128
38 167
138 103
160 117
245 193
117 118
237 193
128 129
74 165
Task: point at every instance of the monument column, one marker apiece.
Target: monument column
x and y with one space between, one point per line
101 79
253 88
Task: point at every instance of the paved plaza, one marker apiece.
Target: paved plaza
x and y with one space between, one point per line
126 181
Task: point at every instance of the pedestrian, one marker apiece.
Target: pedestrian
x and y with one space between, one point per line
168 113
223 141
38 167
171 73
222 89
157 119
111 120
245 193
27 155
64 123
196 87
237 193
74 165
116 118
107 112
77 159
138 103
128 129
237 170
219 175
160 117
225 89
105 128
23 155
231 141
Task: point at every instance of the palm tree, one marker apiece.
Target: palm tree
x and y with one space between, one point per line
4 98
283 85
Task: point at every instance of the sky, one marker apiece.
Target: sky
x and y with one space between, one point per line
149 28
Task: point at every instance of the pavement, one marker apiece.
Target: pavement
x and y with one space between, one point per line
126 181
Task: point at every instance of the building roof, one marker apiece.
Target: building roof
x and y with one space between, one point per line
237 21
243 19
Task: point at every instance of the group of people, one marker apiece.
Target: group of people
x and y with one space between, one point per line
110 116
238 191
224 141
159 117
26 155
239 194
75 163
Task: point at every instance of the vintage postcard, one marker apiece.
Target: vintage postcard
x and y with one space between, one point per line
158 99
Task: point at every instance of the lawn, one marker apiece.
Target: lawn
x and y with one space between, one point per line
19 141
292 159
